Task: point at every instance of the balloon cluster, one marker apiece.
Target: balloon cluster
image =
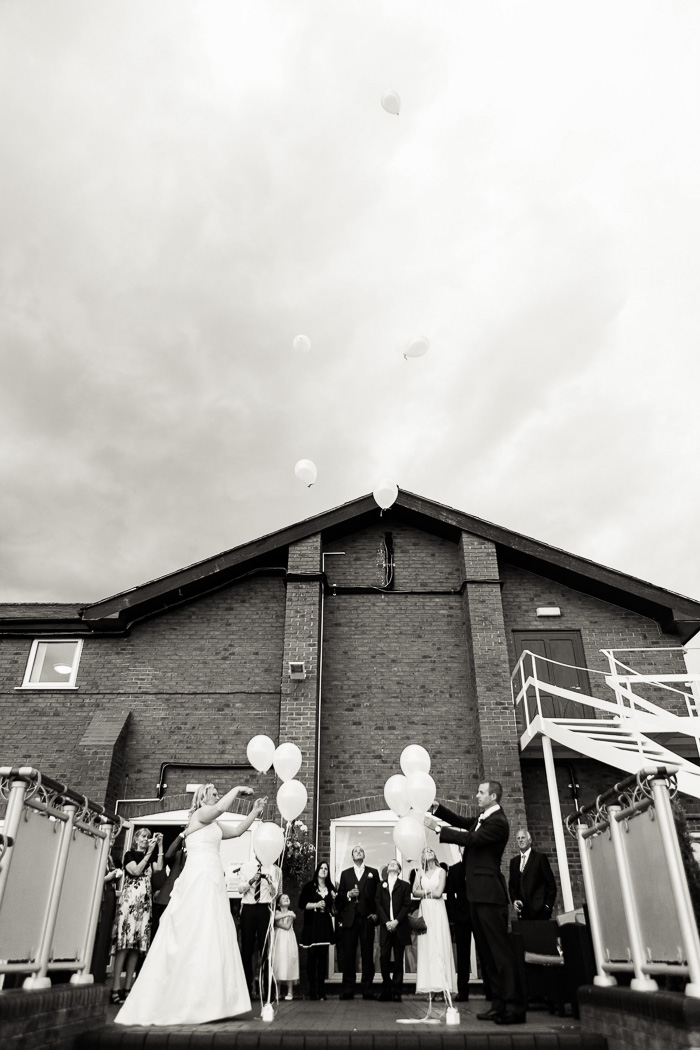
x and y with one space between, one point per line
410 795
291 797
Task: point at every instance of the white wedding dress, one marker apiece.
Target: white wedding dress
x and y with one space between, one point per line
435 967
193 970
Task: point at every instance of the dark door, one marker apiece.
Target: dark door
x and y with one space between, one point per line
566 648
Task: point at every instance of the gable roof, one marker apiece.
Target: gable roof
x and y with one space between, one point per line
268 555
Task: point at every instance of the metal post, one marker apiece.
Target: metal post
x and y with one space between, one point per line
13 816
679 883
640 982
82 976
40 978
559 839
602 979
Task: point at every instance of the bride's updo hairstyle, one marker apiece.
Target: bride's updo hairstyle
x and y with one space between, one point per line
427 854
200 797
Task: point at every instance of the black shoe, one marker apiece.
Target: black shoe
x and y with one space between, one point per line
511 1017
489 1015
396 998
459 998
115 998
369 995
384 997
347 995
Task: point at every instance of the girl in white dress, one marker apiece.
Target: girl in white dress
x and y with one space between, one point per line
435 968
285 951
193 972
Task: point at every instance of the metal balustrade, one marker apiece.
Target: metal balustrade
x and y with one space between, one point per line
53 857
639 906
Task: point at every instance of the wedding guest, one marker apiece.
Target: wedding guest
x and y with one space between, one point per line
435 971
317 901
532 886
105 922
260 885
133 928
393 906
174 859
285 951
357 911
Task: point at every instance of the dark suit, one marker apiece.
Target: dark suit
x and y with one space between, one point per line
357 925
535 886
488 900
393 940
460 918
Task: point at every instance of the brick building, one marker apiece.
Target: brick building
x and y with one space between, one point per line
408 624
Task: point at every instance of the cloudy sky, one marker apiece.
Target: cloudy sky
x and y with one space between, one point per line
186 186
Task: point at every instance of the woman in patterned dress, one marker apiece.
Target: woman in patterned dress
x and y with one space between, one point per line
133 927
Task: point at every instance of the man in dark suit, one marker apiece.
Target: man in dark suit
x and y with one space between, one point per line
461 922
357 911
484 840
531 885
393 906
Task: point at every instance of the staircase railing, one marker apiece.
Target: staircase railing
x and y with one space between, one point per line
53 858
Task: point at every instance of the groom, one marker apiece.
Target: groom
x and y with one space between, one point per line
357 910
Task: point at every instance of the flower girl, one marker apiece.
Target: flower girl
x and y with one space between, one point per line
285 952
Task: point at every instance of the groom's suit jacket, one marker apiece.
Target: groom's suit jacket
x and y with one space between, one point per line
483 849
401 901
349 909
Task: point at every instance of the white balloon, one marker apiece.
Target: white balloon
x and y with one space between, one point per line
302 344
291 799
421 790
415 759
287 761
416 347
385 493
409 836
306 471
396 794
260 752
391 102
268 843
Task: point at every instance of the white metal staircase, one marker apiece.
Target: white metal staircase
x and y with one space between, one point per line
621 733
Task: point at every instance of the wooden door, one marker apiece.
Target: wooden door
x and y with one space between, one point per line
565 647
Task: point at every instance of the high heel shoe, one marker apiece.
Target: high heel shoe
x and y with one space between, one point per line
115 998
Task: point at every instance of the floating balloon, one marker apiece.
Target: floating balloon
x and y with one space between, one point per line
416 347
260 752
409 836
302 344
291 799
268 843
287 761
415 759
391 102
396 794
385 493
421 790
306 471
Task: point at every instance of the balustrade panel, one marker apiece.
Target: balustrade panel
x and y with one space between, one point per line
29 882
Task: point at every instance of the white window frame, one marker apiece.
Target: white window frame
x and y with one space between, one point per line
70 684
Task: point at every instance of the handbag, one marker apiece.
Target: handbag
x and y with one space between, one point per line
417 922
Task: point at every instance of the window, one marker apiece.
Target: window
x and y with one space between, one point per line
52 665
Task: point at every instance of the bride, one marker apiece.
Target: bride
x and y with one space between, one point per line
193 971
435 968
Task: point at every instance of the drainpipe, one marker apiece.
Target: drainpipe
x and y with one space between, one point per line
327 554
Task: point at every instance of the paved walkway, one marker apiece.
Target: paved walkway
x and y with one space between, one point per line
336 1015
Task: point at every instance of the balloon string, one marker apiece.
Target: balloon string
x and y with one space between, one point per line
270 934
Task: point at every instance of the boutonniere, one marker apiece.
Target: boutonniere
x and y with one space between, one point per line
385 885
370 875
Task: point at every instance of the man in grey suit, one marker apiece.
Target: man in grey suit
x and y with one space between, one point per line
532 886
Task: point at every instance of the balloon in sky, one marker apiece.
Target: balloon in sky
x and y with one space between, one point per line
409 836
396 794
391 102
416 347
414 759
385 494
260 753
287 761
306 471
302 344
421 790
268 843
291 799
